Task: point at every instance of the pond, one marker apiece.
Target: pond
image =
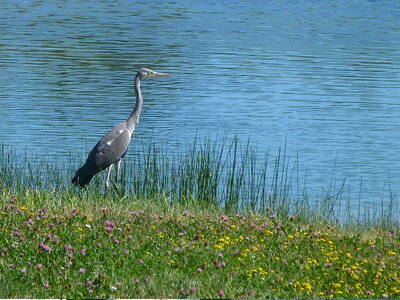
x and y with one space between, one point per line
321 77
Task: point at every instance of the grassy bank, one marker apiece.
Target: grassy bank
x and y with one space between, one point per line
57 245
211 220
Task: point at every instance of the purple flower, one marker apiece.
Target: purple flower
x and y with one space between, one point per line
51 225
218 265
140 262
44 247
48 236
46 285
116 241
192 290
329 264
220 293
199 270
89 283
82 270
4 251
23 270
68 247
109 224
83 252
134 213
39 266
126 252
186 213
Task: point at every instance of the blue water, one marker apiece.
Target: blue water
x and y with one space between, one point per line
324 76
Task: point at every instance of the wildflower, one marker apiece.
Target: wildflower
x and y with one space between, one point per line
218 265
199 270
68 247
82 270
185 213
89 283
126 252
384 295
83 252
113 289
46 285
4 251
140 261
329 264
220 293
390 252
23 270
192 290
44 247
39 267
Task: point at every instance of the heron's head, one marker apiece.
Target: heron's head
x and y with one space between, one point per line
147 73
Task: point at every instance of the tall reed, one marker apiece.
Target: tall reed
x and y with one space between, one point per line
224 173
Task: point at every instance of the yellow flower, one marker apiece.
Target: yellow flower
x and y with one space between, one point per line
218 247
390 252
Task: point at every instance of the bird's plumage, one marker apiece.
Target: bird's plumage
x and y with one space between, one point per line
113 146
110 149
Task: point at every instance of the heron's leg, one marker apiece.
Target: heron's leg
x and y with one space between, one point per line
117 164
107 186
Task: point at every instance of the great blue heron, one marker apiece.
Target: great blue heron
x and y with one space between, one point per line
113 146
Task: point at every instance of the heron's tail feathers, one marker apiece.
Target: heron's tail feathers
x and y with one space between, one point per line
81 178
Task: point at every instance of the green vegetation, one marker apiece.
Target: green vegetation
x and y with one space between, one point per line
210 221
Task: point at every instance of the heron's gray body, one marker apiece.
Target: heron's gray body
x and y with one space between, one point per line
113 146
109 150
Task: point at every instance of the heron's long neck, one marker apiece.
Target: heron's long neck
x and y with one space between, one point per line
134 117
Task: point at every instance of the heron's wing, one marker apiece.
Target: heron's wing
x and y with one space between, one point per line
110 148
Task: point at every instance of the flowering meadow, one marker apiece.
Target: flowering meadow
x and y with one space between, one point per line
65 245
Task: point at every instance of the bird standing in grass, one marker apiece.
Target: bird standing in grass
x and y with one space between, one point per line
113 146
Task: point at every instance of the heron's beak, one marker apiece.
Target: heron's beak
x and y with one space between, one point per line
158 74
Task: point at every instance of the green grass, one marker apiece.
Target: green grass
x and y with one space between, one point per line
211 220
141 248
